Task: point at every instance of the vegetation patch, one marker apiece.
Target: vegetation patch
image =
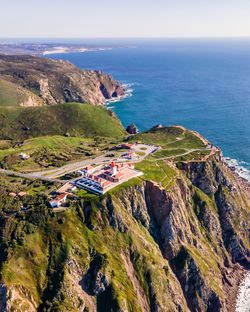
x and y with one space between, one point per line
71 119
169 138
158 171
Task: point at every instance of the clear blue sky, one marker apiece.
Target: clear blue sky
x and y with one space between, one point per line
124 18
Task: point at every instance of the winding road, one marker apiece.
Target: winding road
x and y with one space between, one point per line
54 174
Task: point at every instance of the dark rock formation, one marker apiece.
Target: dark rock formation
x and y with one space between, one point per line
156 127
132 129
95 282
3 298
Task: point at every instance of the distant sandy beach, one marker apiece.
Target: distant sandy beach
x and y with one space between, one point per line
62 50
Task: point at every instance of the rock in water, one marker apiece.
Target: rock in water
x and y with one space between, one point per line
132 129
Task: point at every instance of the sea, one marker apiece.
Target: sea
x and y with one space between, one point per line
202 84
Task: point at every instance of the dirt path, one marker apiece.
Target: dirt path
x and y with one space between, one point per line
188 151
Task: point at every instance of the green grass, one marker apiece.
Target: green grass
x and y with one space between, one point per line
18 184
11 94
170 137
41 132
76 119
140 153
196 155
27 265
158 171
53 151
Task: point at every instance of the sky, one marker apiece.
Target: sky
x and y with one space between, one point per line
124 18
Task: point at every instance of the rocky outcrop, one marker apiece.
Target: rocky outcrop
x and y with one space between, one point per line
201 228
142 247
58 82
94 281
132 129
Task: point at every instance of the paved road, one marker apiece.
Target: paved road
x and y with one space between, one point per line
30 176
57 172
52 175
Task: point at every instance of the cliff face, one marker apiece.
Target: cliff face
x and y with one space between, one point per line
139 248
57 82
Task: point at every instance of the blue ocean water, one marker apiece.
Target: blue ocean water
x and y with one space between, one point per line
201 84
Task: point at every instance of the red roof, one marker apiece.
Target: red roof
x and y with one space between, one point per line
106 183
61 196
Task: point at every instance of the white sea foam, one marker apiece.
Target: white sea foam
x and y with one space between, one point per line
243 298
128 93
128 89
240 167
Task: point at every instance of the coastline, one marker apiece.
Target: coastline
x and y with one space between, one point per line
66 50
242 172
232 287
238 286
243 295
63 50
128 93
238 167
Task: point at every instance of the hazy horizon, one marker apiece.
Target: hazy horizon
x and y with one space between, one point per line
130 19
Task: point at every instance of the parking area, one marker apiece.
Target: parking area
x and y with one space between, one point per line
146 149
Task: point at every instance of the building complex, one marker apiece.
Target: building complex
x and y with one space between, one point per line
100 179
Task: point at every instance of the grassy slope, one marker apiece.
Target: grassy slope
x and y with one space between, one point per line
14 95
31 252
28 263
52 150
11 94
173 141
77 119
170 138
41 131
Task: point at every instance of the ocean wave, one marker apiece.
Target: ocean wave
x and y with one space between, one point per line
128 93
243 298
239 167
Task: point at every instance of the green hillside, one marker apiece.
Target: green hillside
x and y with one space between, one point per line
13 95
17 123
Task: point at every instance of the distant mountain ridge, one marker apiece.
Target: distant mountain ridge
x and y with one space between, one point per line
40 81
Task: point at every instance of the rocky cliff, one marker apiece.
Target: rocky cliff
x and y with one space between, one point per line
141 247
53 82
